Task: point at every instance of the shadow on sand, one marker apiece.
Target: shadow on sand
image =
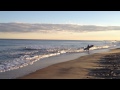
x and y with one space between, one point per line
109 67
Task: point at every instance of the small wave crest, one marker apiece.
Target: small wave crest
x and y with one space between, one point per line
30 58
99 47
22 62
31 48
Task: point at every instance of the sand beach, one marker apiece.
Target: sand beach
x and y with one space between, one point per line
103 65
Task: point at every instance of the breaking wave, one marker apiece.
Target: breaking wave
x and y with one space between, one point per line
34 54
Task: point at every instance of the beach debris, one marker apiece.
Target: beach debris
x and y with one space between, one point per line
109 67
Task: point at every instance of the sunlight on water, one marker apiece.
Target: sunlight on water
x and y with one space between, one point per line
16 54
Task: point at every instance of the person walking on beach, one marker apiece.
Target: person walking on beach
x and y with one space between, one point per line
87 48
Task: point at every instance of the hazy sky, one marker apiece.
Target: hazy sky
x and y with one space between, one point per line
81 25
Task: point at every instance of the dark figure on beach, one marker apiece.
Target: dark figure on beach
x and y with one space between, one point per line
88 47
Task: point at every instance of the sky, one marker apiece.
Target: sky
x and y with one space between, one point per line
65 25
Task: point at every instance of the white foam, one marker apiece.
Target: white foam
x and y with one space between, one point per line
23 61
29 60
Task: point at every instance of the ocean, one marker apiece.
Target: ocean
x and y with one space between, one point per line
20 53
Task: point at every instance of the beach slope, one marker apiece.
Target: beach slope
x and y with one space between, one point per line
80 68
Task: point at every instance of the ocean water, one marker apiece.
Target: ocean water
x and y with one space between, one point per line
17 53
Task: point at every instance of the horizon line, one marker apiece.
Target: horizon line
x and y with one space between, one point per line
54 39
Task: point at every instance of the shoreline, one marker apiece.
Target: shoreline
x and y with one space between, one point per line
80 68
13 74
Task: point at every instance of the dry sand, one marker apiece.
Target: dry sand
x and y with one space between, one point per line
85 67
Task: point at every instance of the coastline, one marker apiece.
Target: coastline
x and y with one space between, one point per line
80 68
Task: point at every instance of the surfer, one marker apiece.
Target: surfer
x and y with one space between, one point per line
88 47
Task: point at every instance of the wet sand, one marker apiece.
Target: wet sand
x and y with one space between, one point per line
94 66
